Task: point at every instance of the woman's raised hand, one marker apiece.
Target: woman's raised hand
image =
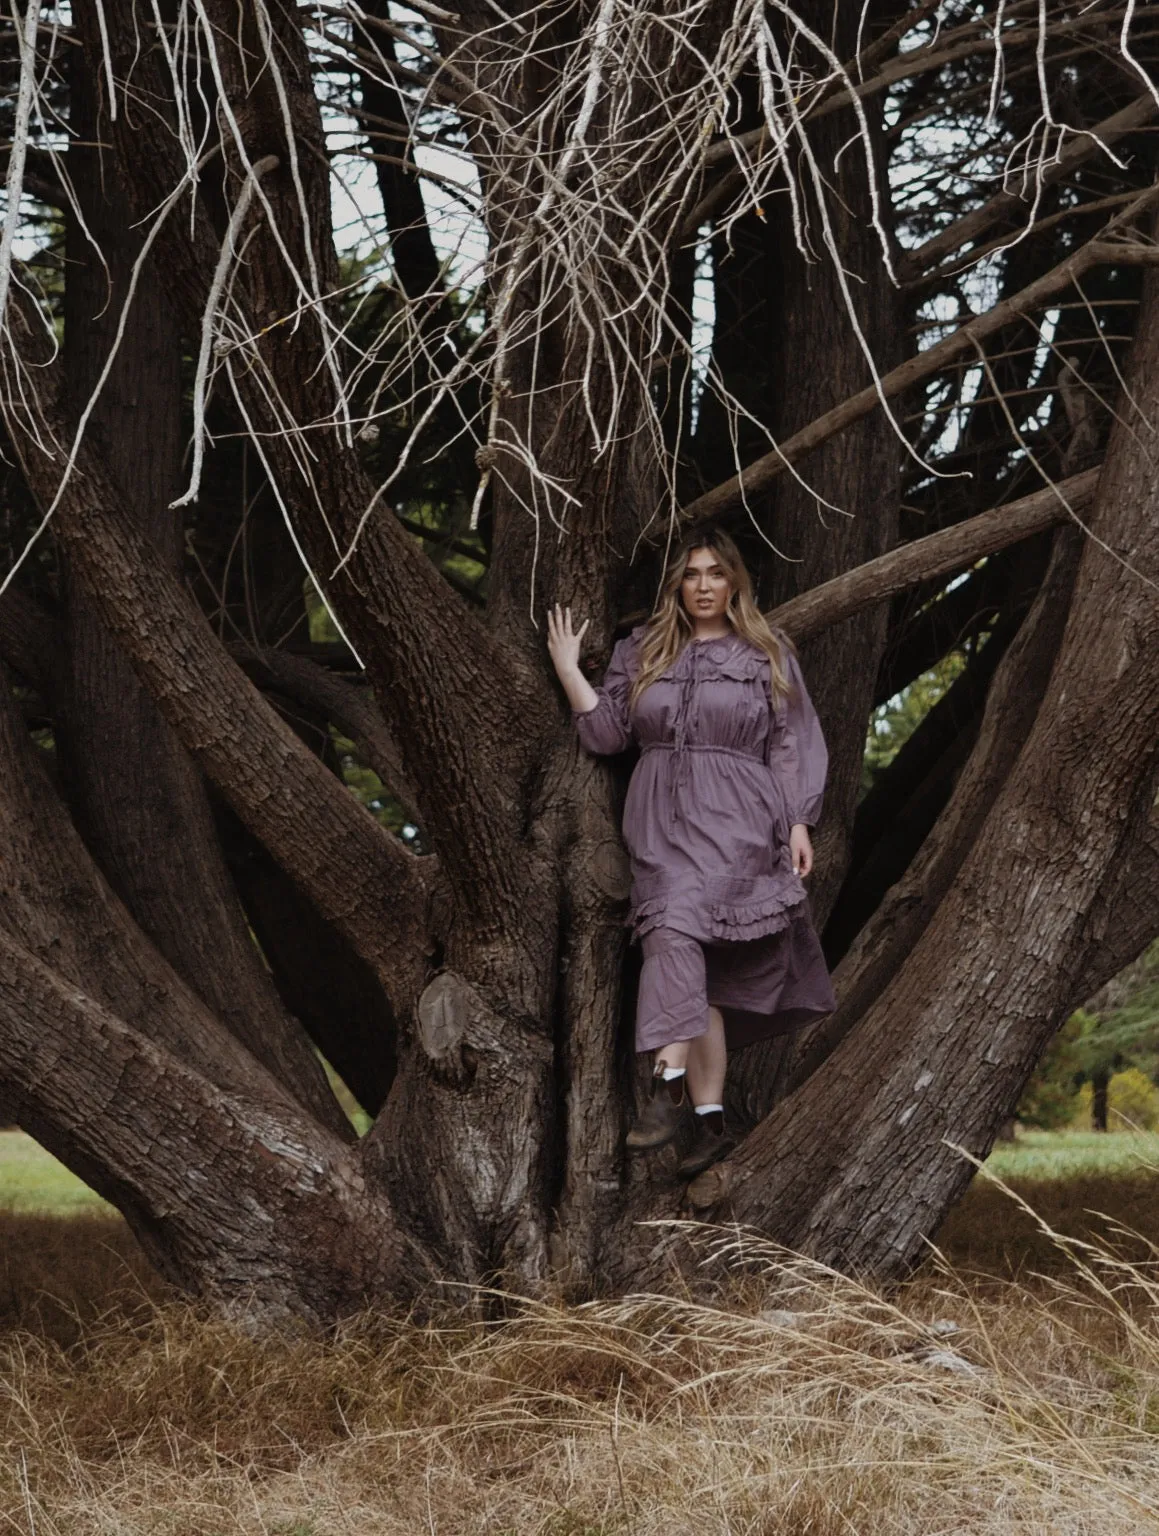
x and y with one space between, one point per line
563 643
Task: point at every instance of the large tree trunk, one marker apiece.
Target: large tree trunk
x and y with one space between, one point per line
843 510
484 1016
859 1178
135 791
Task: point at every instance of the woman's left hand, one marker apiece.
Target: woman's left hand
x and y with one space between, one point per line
801 849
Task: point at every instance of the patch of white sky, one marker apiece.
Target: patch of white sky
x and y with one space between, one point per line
448 178
452 194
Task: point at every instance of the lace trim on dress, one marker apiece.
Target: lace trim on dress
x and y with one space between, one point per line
712 660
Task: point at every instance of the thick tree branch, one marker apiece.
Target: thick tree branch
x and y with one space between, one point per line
938 554
452 693
310 823
27 638
349 707
1009 947
758 476
1128 919
188 1163
323 981
926 625
55 902
132 787
912 903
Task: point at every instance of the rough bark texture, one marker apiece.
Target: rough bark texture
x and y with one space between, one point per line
472 997
256 761
27 639
911 904
938 554
58 906
137 795
858 1177
283 1224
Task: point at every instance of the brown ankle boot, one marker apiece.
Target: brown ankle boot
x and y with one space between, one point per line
661 1119
708 1147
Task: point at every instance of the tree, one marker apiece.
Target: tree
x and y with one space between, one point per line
927 253
1116 1031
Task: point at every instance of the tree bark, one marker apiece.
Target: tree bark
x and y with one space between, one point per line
760 475
284 1225
133 788
482 1011
57 905
27 640
817 362
1100 1081
322 979
307 820
858 1177
938 554
883 945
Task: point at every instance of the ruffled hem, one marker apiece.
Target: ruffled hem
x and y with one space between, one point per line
750 909
728 907
752 920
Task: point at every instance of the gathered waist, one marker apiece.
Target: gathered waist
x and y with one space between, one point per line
701 746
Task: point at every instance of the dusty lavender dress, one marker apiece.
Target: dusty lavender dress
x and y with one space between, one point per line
722 776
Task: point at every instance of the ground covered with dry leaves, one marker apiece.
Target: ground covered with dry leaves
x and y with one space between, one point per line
1012 1386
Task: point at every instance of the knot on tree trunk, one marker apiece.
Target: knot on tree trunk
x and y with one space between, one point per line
450 1013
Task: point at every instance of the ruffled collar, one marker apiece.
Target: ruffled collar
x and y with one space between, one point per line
701 656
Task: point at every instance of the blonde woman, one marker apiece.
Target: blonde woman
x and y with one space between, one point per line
716 822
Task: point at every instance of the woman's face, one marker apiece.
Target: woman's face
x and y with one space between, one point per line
705 589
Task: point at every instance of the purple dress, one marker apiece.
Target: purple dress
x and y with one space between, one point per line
721 778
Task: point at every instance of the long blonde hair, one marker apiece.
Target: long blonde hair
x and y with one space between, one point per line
670 628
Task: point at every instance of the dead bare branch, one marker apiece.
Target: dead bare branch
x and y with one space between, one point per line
757 477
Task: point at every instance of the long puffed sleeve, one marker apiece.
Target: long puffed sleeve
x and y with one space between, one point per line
797 751
607 728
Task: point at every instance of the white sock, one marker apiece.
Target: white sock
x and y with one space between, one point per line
669 1073
710 1109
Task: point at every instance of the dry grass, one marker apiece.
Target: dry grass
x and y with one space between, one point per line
990 1235
60 1273
806 1404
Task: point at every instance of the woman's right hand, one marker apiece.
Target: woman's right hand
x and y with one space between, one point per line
563 643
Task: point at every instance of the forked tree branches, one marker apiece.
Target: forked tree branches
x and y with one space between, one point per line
290 800
70 1066
588 182
1102 250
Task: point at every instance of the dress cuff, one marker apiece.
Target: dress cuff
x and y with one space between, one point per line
806 815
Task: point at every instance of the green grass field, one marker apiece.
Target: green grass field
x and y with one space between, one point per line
1058 1155
33 1181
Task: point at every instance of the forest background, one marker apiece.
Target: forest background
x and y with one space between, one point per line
338 340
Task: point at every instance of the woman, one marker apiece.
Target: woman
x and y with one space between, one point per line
717 822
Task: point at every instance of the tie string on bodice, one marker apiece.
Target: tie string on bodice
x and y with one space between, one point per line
686 731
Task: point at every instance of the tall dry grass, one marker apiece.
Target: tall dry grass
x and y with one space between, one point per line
801 1402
